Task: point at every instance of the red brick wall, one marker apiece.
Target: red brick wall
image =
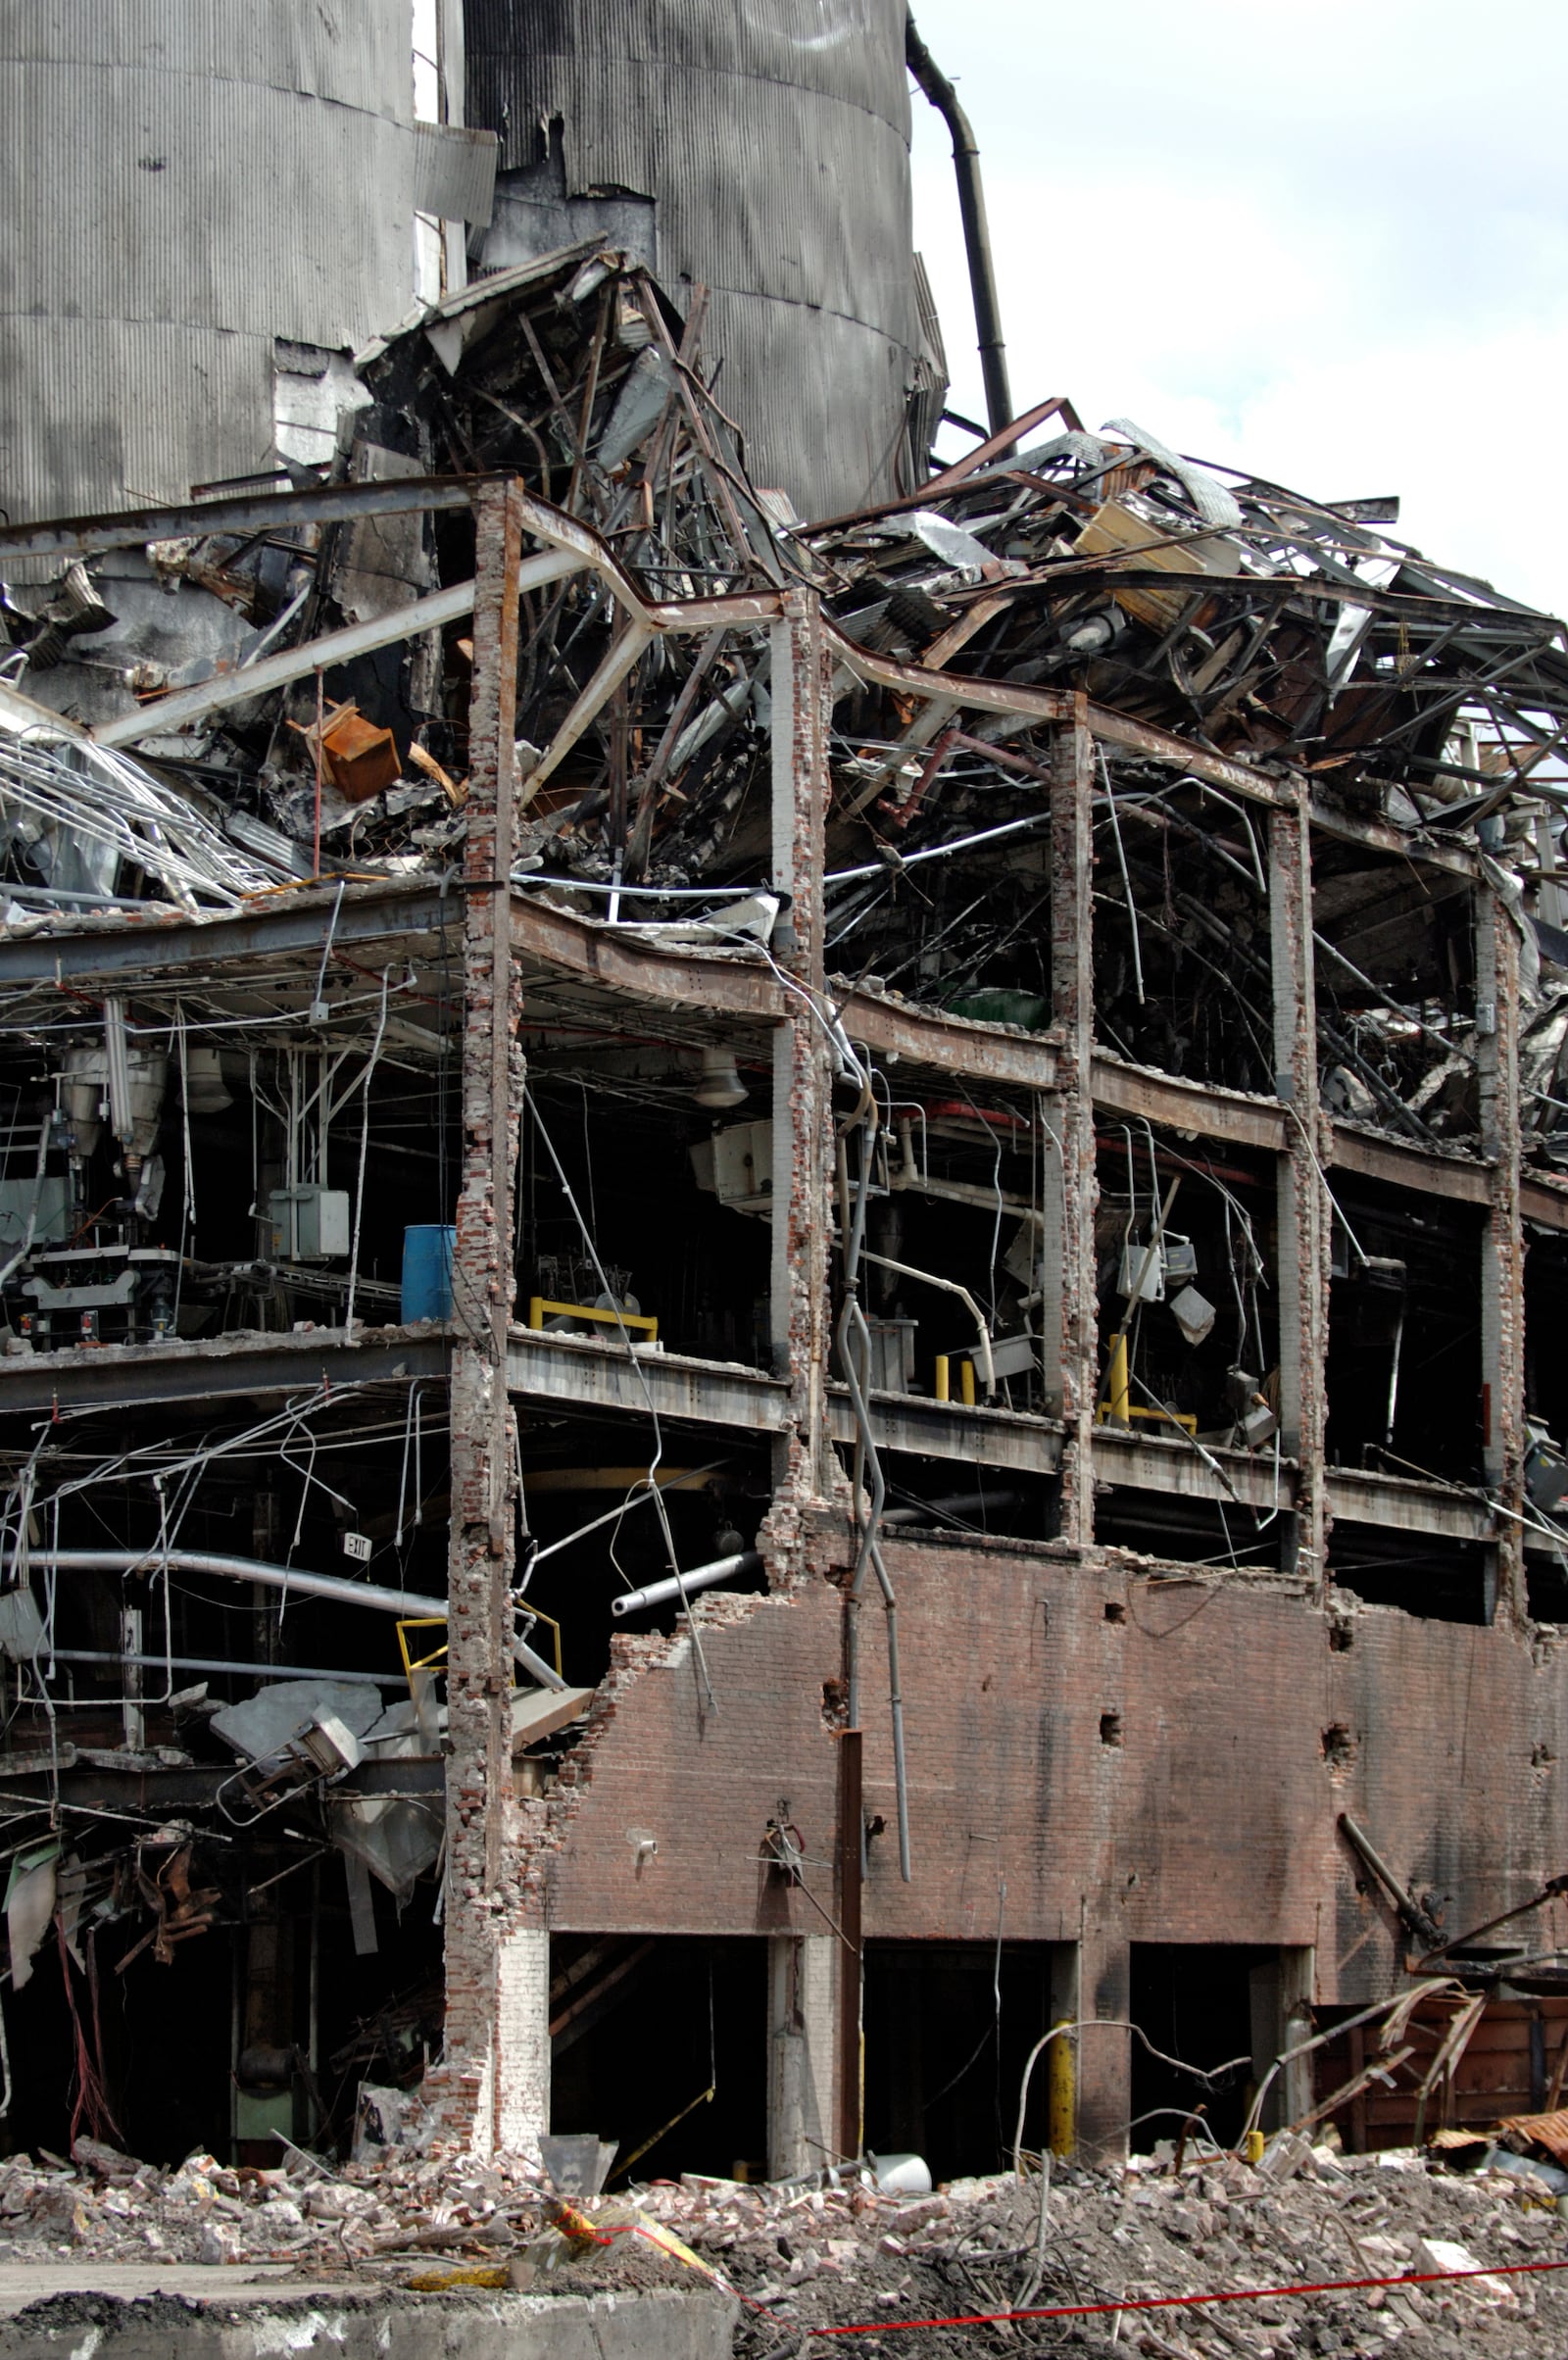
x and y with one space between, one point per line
1213 1819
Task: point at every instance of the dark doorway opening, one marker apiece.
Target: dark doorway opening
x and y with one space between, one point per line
949 2028
642 2027
1194 2002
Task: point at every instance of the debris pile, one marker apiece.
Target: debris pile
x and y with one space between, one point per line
839 2254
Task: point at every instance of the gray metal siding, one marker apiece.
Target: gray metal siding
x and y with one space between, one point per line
773 136
354 52
217 176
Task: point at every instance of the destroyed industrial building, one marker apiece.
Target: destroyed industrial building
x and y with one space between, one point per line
781 1224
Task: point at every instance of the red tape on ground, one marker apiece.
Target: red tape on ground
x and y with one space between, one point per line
1145 2302
1173 2302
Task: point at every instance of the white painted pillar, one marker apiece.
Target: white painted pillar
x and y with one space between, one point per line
802 2001
522 2066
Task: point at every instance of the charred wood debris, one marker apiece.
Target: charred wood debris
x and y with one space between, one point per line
1282 633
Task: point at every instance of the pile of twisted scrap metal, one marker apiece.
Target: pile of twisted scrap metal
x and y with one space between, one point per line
289 656
291 663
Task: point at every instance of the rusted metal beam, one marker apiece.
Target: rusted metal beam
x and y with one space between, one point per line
1183 1106
1377 836
617 961
1544 1203
1460 1178
926 1035
241 513
161 715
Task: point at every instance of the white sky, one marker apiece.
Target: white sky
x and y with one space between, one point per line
1324 243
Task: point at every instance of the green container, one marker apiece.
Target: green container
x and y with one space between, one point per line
1027 1008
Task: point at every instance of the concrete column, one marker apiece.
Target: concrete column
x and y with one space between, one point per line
1281 1994
1072 1012
803 1151
1502 1259
802 2036
484 1902
1090 1987
1301 1205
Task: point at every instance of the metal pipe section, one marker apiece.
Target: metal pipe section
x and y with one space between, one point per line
960 1503
949 1286
976 235
214 1663
411 1604
701 1577
182 704
853 1339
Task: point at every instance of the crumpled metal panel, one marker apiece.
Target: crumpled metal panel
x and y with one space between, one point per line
1549 2130
773 136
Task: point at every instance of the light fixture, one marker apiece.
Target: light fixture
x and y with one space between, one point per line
721 1084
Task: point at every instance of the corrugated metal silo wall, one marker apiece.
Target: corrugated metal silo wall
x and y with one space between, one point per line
773 136
190 178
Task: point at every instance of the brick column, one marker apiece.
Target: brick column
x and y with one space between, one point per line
803 1126
1090 1987
1502 1254
1072 1015
488 1994
1302 1210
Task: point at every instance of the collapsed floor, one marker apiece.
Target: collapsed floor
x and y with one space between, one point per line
599 1079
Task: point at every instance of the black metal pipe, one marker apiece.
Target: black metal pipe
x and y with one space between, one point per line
976 236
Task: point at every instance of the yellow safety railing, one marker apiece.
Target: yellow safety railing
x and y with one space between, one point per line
944 1380
438 1622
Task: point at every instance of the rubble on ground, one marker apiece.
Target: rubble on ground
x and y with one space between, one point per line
843 2252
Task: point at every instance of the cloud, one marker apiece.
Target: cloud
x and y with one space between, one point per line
1327 246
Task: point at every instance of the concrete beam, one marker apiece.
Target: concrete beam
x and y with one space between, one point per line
619 963
977 1437
1155 1463
366 913
235 1367
928 1036
1355 1497
578 1370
